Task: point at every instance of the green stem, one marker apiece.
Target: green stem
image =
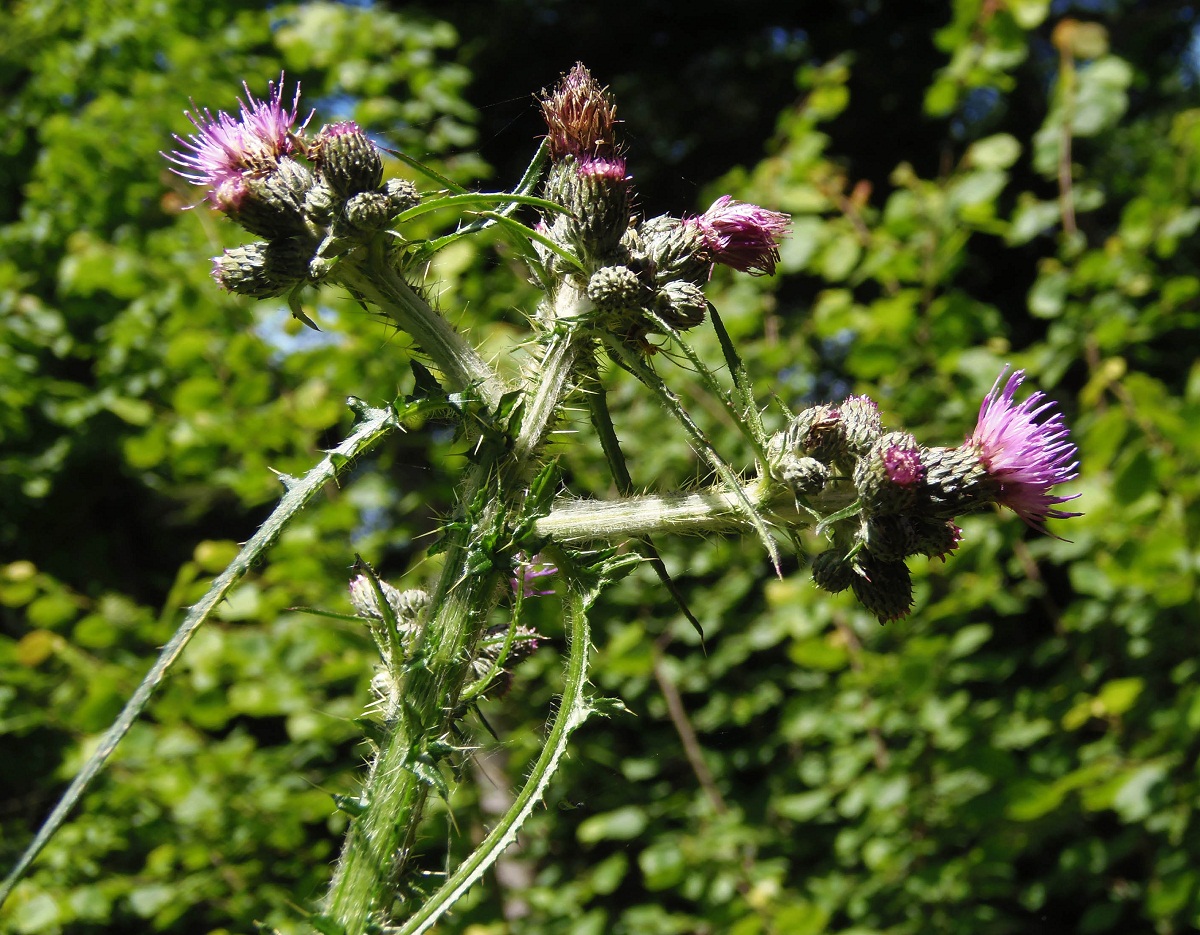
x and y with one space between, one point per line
650 379
573 710
375 424
717 509
405 769
383 286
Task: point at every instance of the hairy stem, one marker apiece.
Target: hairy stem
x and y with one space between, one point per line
715 509
379 283
573 710
406 768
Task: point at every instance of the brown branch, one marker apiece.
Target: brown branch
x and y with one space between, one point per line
687 734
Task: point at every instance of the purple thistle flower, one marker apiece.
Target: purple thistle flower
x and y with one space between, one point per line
610 168
527 572
903 466
1025 456
743 236
223 150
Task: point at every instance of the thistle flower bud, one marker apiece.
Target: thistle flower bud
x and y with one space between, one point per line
672 250
320 202
806 476
891 537
936 538
263 270
346 159
401 194
682 305
271 205
860 423
884 588
889 476
580 116
367 212
832 571
596 192
818 433
615 287
406 606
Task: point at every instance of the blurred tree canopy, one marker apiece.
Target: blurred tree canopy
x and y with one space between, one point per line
973 183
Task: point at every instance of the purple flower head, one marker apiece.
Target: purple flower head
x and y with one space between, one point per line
903 466
743 236
609 168
341 128
223 149
1026 456
527 572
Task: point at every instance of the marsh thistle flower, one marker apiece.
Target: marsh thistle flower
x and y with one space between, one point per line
743 236
225 150
1026 449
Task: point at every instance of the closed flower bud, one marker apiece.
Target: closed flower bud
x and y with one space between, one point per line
682 305
263 270
406 606
818 433
936 538
673 251
320 202
367 212
861 423
891 537
615 287
889 477
402 195
347 161
806 476
832 572
884 588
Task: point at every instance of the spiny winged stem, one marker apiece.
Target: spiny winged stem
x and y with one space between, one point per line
467 588
573 710
377 281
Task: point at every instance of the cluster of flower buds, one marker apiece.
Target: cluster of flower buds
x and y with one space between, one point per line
638 272
311 199
907 496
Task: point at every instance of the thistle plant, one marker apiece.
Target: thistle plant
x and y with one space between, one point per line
615 289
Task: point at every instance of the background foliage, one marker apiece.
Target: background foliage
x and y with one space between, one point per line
988 181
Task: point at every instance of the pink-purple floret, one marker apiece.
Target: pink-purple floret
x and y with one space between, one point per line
605 167
1026 456
224 149
903 466
528 571
742 236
